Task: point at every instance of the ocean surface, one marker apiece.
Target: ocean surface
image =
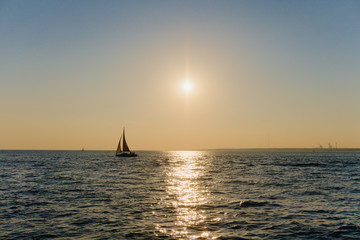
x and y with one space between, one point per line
179 195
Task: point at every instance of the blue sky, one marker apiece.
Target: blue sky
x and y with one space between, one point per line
265 73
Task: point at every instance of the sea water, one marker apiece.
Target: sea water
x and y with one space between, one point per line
179 195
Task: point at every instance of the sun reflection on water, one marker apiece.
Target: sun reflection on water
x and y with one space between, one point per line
186 195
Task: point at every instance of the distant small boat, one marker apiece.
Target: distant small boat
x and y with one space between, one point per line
125 152
82 149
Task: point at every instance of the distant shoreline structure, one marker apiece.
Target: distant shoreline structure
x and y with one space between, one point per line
290 149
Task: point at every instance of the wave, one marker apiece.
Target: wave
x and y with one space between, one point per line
250 203
308 164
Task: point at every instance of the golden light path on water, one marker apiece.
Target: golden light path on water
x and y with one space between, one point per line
186 195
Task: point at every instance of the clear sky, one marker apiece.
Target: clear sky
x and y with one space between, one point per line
263 74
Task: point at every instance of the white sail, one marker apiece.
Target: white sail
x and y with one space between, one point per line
118 150
125 146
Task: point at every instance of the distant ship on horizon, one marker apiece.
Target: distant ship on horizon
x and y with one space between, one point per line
125 151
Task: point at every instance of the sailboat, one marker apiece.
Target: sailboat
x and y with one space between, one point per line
125 152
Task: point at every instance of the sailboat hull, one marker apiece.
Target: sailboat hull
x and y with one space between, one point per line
126 154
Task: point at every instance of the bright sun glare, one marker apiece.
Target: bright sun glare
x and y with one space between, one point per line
187 86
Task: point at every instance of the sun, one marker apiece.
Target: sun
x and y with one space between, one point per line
187 85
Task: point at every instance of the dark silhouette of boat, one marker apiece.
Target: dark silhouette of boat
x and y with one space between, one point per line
125 152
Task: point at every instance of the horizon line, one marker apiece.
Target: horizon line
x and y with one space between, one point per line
208 149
